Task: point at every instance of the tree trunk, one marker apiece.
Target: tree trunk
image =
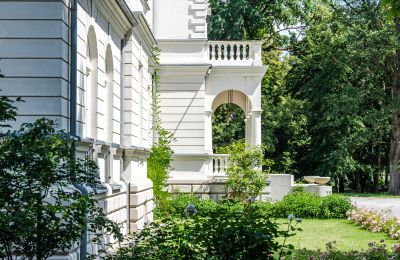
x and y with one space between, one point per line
341 184
358 182
394 139
378 172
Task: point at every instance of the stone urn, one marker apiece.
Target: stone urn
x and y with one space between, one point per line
322 180
310 179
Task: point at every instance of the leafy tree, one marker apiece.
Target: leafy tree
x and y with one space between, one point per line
254 19
246 179
342 75
7 111
284 119
41 211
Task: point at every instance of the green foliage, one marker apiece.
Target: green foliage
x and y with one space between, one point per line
7 111
246 179
375 251
309 205
341 73
228 125
159 161
254 19
284 119
228 231
41 212
177 204
393 7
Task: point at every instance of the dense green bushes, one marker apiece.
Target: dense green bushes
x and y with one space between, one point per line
228 230
301 204
309 205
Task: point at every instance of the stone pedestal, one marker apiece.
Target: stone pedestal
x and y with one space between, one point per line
320 190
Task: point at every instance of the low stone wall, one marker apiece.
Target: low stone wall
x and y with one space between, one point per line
214 187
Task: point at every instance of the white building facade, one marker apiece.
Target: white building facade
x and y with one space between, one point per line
111 114
196 77
94 76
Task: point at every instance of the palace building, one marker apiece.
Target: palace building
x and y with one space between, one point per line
89 66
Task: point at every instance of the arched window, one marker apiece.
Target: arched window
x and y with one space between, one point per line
109 85
91 71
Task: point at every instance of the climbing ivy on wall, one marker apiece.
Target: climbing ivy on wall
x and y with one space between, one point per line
159 161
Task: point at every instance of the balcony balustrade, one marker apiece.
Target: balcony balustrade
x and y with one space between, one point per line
220 163
235 53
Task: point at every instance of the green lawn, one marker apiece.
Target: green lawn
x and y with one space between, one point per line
317 232
377 195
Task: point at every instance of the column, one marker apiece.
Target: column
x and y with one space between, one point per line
248 133
208 143
256 136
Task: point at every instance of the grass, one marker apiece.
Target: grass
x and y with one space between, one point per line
317 232
376 195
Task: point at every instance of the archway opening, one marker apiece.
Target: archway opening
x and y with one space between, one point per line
230 122
228 125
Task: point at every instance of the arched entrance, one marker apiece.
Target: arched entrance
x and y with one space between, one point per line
252 118
234 98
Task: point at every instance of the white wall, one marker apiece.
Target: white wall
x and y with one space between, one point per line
34 59
180 19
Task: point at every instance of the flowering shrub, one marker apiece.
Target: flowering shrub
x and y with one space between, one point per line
376 221
375 251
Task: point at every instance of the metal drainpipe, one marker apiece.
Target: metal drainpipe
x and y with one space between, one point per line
154 112
122 119
72 110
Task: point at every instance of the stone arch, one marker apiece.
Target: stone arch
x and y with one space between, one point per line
91 84
109 85
232 96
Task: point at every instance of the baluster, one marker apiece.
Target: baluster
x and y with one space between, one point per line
223 164
228 50
211 49
241 52
214 165
247 51
235 52
222 52
216 52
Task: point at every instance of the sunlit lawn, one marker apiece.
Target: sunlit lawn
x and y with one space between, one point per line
377 195
348 236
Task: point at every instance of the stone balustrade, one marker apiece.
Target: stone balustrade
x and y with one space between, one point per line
235 53
220 163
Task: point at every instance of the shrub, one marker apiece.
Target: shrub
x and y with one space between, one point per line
40 211
310 205
246 179
229 231
177 203
335 206
376 221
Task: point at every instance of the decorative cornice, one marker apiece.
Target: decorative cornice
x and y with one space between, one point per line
238 71
184 69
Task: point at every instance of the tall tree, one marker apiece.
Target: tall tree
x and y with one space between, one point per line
341 73
393 11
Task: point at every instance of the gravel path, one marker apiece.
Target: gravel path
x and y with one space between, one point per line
378 204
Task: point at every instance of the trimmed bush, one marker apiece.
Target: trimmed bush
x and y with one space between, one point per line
310 205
